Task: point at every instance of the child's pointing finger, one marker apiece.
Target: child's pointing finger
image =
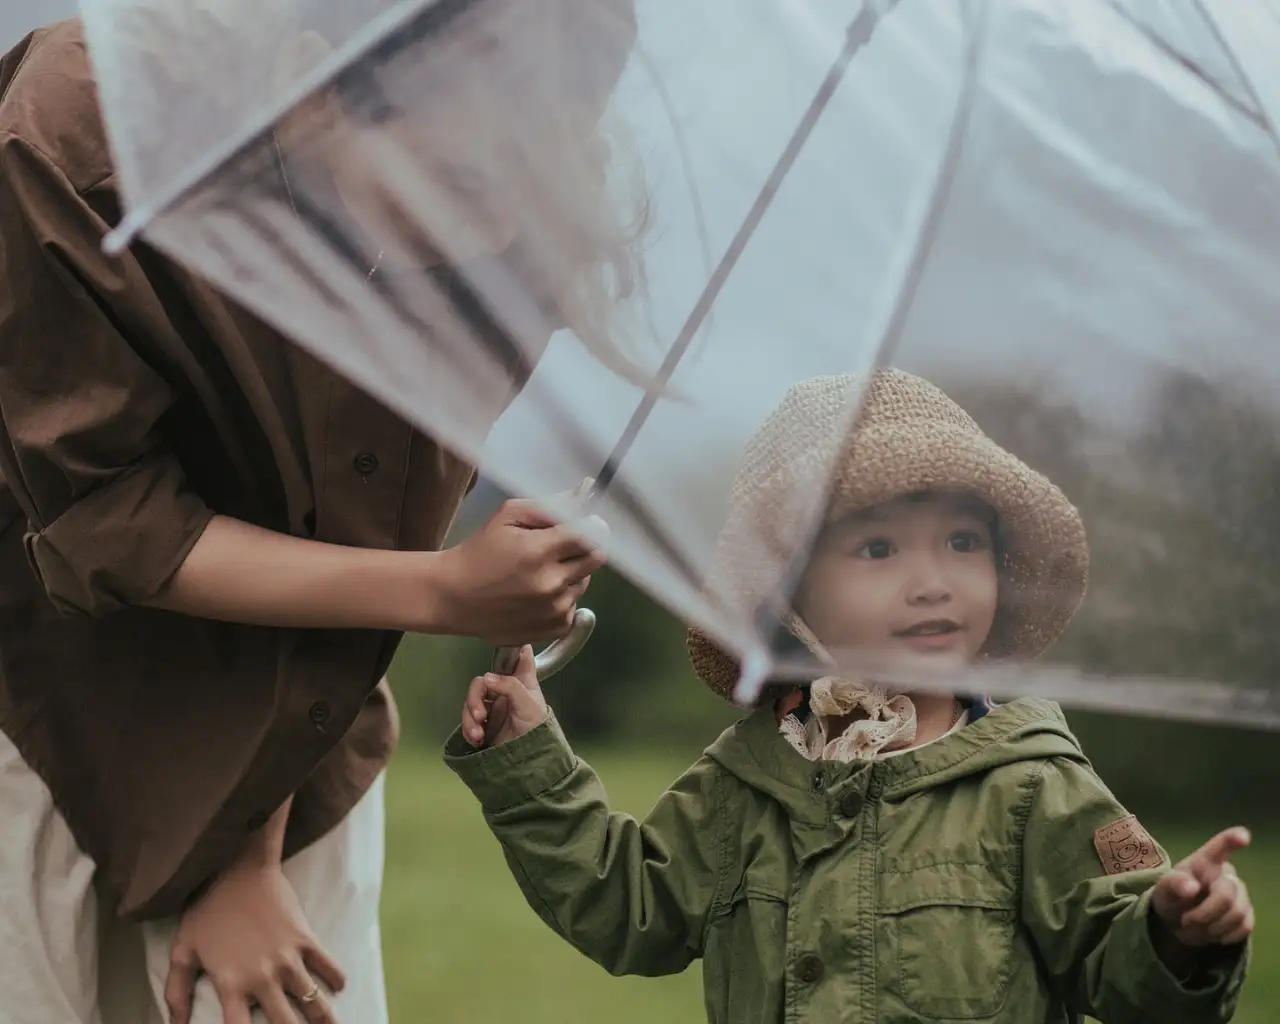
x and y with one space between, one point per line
1208 862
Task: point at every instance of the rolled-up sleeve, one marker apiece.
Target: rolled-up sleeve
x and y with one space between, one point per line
111 516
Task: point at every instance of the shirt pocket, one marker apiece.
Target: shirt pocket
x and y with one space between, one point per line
950 931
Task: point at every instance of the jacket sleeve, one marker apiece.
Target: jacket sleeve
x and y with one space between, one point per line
1092 929
110 516
633 896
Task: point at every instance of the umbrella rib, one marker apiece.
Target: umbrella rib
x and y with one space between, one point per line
1266 119
1165 47
622 493
769 613
857 34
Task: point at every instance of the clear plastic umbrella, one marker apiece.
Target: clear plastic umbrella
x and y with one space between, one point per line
602 241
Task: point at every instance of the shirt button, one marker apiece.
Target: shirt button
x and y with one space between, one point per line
365 463
319 713
851 804
810 968
256 820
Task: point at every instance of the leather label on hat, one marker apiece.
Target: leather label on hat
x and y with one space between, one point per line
1125 845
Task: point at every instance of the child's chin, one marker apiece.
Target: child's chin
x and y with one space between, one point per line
903 669
927 669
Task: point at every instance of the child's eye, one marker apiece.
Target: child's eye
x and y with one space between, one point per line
966 541
879 548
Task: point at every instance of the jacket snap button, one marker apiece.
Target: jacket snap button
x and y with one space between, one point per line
319 712
810 968
366 463
819 783
851 804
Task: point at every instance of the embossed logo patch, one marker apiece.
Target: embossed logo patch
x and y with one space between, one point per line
1125 845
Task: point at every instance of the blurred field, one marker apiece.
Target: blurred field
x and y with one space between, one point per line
462 947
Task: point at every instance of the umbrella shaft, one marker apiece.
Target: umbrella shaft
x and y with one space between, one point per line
857 34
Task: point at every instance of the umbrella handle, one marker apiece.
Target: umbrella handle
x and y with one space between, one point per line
554 657
560 652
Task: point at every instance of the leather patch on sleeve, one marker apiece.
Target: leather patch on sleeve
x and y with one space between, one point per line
1125 845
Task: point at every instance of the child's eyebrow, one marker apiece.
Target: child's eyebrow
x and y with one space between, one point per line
979 509
879 514
974 507
868 515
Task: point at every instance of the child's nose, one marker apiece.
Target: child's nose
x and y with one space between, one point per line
928 582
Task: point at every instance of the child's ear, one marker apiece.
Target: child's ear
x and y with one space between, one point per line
297 58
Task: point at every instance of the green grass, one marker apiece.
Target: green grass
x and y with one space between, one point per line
462 947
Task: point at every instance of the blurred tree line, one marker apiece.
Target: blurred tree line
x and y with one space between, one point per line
1185 582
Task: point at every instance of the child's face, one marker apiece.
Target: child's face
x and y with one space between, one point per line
913 580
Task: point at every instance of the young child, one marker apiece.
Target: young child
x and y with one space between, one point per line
859 855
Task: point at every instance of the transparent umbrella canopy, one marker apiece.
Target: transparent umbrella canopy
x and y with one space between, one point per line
603 241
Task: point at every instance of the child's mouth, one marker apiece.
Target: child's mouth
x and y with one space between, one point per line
931 635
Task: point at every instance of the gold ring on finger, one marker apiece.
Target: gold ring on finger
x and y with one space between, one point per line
311 996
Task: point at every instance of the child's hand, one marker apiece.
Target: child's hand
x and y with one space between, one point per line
500 708
1202 901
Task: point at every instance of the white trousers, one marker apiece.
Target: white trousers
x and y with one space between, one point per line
65 959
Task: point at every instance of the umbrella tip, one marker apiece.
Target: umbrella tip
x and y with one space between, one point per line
119 238
752 675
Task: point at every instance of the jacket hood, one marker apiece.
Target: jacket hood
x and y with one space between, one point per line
755 752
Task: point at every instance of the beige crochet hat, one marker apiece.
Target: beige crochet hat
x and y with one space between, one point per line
908 437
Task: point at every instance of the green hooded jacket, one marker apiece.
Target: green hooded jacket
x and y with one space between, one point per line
962 881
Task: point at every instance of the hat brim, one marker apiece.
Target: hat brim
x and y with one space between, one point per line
1044 569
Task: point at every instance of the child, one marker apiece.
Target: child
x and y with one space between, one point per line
860 855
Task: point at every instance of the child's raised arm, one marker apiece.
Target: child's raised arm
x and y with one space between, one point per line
632 896
1092 890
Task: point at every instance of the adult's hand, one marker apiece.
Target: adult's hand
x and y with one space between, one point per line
250 937
518 578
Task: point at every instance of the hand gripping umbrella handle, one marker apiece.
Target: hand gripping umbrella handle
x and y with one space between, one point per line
559 652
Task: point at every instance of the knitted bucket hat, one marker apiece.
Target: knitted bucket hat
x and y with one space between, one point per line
907 438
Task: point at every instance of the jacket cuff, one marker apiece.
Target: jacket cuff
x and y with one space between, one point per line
120 543
515 772
1210 996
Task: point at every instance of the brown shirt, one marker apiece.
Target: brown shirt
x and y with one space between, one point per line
136 402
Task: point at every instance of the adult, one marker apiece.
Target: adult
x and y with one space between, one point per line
210 544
